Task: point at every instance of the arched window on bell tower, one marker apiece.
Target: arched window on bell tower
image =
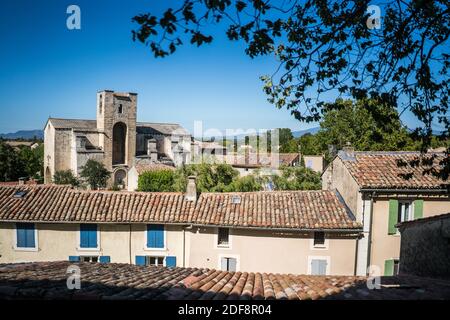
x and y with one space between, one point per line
100 104
119 143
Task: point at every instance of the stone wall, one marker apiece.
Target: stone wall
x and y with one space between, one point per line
425 247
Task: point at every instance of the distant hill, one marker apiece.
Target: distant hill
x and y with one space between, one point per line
300 133
23 134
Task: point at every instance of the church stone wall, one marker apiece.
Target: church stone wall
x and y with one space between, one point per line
63 143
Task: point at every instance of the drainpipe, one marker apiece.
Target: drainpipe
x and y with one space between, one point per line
369 247
355 270
184 243
129 245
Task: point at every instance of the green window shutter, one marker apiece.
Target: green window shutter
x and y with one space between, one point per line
393 216
389 267
418 209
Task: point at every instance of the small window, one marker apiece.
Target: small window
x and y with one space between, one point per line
228 264
319 267
88 236
25 235
404 211
120 109
20 194
309 164
396 267
223 236
236 199
100 105
154 261
155 236
319 239
89 258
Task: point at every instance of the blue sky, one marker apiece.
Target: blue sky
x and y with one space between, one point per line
48 70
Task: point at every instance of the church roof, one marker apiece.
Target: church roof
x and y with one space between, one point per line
161 128
142 127
73 123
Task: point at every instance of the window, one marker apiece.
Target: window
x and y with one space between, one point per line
396 266
154 261
319 267
100 104
26 235
19 194
228 264
88 236
223 235
155 236
404 211
309 164
89 258
120 109
319 239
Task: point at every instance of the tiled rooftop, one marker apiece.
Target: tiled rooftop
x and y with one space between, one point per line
381 170
47 280
278 209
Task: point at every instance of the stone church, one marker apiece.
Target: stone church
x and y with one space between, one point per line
116 139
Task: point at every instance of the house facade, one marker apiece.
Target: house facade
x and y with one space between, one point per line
303 232
383 189
115 138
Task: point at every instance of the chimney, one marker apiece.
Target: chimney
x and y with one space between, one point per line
191 189
22 181
348 148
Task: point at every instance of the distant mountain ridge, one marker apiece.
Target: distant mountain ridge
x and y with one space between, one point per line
23 134
300 133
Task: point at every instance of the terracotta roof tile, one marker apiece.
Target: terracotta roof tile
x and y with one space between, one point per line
279 209
47 280
381 170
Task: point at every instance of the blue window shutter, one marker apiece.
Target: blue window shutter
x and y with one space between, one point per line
171 261
84 236
232 264
105 259
21 235
155 236
224 264
150 236
322 267
93 236
88 236
25 235
315 267
140 260
74 258
30 237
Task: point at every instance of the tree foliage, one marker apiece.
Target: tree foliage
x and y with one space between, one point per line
95 174
65 177
210 177
156 181
21 163
366 125
297 178
327 49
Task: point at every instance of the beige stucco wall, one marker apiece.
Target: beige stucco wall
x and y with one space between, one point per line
59 241
261 250
316 163
267 251
385 246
